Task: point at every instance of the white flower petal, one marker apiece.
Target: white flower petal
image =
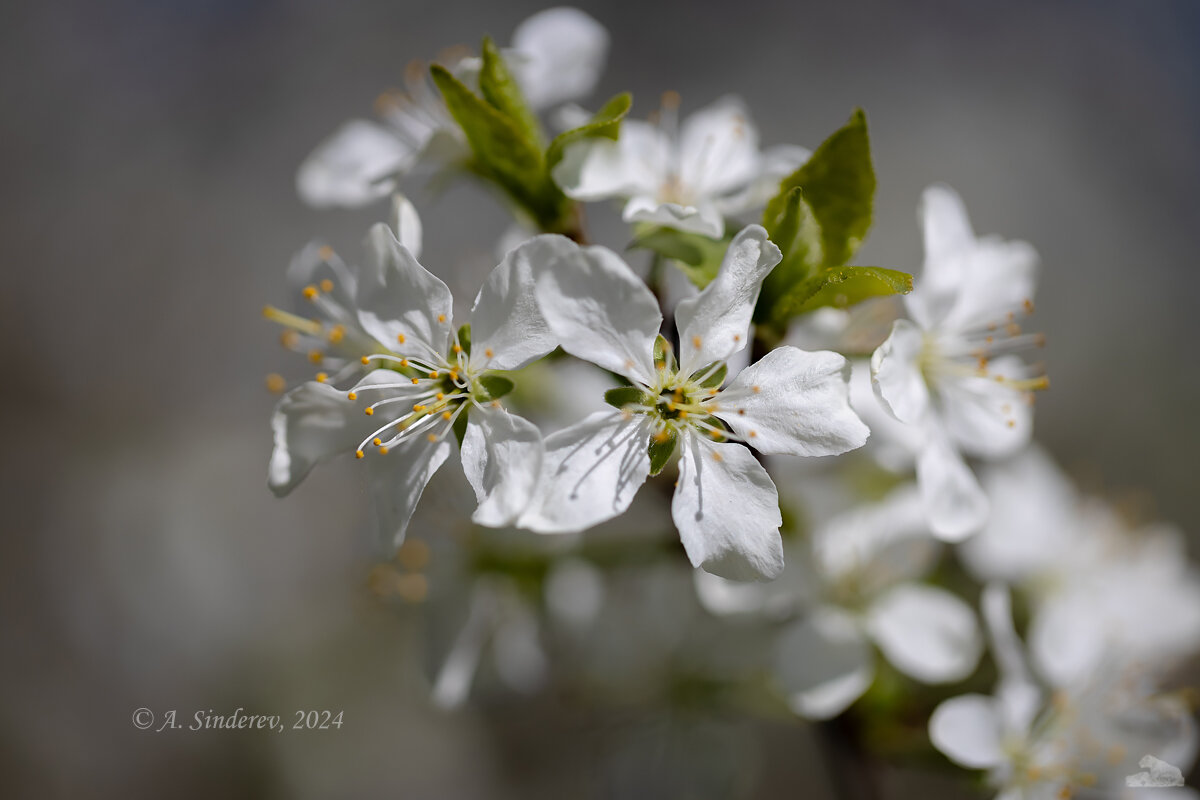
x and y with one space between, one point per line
563 51
947 232
702 218
775 164
353 167
985 417
506 320
598 169
823 663
876 545
715 324
1000 277
602 312
399 297
406 224
590 473
1067 638
727 511
925 632
968 731
793 403
896 373
718 149
397 480
954 500
502 459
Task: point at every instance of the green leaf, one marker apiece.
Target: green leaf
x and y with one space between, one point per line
500 89
623 396
504 153
464 338
495 386
841 287
839 186
605 123
796 232
660 451
697 256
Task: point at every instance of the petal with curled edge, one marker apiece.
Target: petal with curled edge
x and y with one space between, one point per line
715 324
590 473
727 511
502 459
596 168
353 167
793 403
314 422
703 218
507 320
896 373
926 632
967 729
602 312
399 297
560 54
406 224
824 663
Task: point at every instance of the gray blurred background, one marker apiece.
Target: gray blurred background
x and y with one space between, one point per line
148 212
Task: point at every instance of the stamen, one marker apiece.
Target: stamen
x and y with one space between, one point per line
400 338
325 252
326 285
368 411
322 377
292 321
337 333
383 451
311 292
315 356
276 383
351 396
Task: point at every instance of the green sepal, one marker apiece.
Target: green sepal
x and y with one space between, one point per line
464 338
660 452
716 378
460 427
697 256
494 387
664 354
841 287
839 186
623 396
499 88
504 153
605 123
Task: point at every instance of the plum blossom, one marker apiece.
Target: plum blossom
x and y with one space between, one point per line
557 55
429 378
950 371
688 176
725 505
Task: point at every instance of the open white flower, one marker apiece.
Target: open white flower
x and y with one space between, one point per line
428 378
688 176
951 371
556 55
790 402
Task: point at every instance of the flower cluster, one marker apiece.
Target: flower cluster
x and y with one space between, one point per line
576 395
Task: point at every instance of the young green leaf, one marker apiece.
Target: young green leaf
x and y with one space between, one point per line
605 123
697 256
796 232
841 287
500 89
660 451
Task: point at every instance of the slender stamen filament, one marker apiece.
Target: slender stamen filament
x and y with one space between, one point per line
292 321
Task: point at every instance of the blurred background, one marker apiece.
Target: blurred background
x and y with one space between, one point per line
148 212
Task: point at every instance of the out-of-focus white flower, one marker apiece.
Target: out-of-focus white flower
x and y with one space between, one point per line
867 564
951 371
1084 737
725 505
333 339
427 377
688 176
556 55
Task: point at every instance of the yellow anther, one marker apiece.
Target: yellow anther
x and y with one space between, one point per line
400 338
418 408
496 404
315 356
756 389
325 253
718 457
276 383
337 333
683 414
404 363
289 339
671 99
326 285
441 317
365 360
1065 792
432 437
416 381
989 339
359 454
696 342
412 588
453 375
369 411
377 441
383 451
351 395
433 374
752 434
662 436
457 347
1012 423
742 411
413 554
322 377
1012 329
310 293
441 396
1028 304
446 415
488 352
